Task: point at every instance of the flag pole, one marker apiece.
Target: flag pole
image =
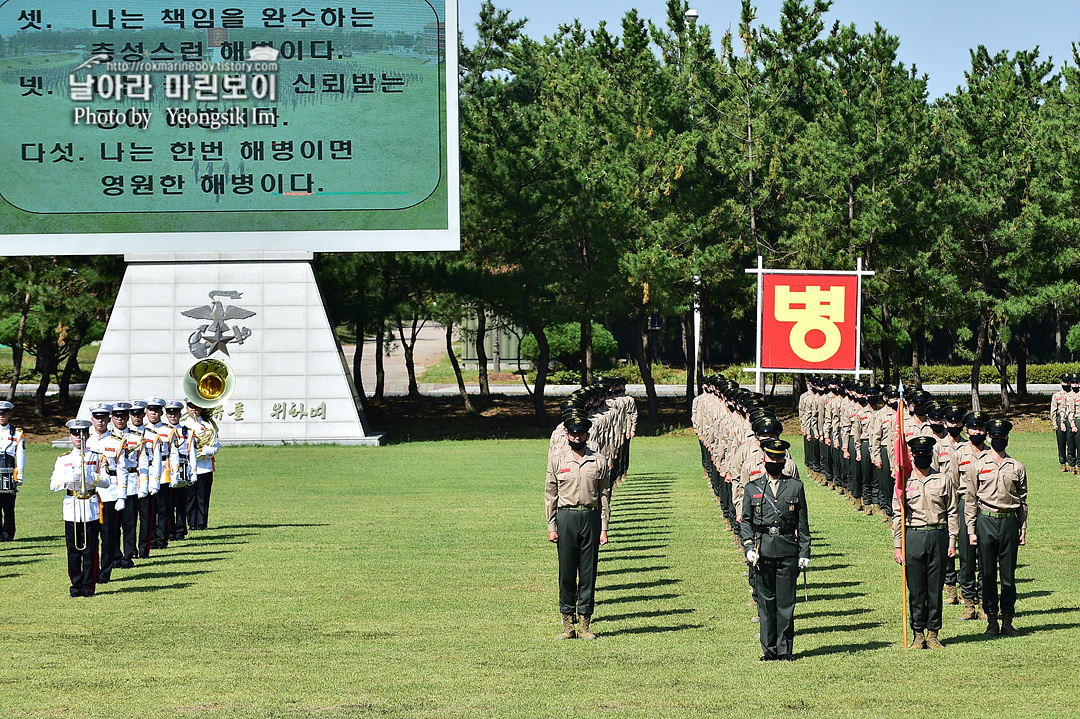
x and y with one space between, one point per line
901 500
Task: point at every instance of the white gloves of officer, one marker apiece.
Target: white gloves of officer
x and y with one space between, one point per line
120 504
804 562
752 556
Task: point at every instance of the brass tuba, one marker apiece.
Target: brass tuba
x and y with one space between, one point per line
208 383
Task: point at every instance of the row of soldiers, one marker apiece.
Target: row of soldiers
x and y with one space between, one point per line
850 445
588 454
137 478
757 484
1065 417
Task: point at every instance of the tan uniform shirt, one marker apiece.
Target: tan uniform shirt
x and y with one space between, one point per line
995 488
1057 408
573 482
929 500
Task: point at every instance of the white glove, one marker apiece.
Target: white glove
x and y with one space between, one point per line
120 504
142 494
803 562
752 556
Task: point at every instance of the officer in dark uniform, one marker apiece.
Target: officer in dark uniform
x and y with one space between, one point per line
776 537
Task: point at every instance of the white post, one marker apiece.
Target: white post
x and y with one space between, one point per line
760 381
699 364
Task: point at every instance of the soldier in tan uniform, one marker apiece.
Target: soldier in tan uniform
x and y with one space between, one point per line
930 525
578 508
996 515
1057 419
882 435
945 451
1071 426
964 458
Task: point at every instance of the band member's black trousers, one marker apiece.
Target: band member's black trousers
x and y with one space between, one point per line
82 563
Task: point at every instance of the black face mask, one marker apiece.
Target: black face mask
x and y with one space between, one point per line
893 404
861 401
1076 388
922 461
999 443
954 432
577 446
919 409
977 438
775 469
938 428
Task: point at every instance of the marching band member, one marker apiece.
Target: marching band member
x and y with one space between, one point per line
146 464
12 459
184 475
80 472
169 464
206 445
112 497
129 491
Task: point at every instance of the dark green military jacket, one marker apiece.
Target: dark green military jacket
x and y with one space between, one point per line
780 532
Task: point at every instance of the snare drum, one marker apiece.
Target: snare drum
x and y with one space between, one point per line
7 480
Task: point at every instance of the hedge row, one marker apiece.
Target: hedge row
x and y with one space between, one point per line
944 374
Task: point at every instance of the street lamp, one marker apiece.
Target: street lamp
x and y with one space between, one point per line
691 15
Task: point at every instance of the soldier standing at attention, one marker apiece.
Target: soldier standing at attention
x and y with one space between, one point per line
931 523
12 460
776 536
1070 423
945 452
1057 419
578 508
964 456
996 515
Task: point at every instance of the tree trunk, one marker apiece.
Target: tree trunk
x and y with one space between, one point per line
691 360
699 359
17 348
541 373
1057 332
481 350
46 365
1022 359
357 364
72 363
916 369
457 368
380 353
641 354
586 352
976 366
407 347
798 389
495 348
1000 356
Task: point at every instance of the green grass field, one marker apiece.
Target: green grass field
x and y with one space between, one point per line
416 581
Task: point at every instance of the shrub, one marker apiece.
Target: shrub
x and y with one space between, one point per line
565 343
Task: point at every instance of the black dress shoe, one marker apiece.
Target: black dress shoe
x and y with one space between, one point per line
769 657
786 658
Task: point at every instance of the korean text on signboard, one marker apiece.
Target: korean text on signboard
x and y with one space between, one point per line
233 123
809 322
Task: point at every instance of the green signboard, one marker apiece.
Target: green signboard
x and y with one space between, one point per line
227 126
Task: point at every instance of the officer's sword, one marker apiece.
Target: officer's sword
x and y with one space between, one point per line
805 596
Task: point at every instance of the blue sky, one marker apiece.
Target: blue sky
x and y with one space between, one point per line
934 35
